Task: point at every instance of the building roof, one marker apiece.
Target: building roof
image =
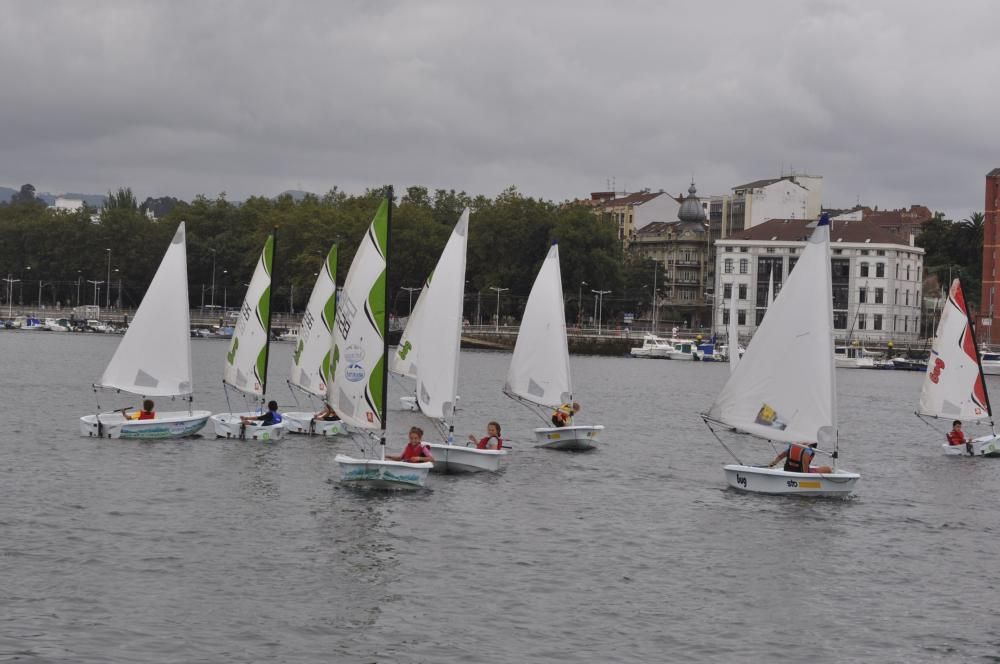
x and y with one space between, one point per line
658 229
691 209
796 230
994 173
757 184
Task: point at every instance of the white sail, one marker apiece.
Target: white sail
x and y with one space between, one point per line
437 372
246 362
539 369
357 378
154 357
311 360
770 288
784 387
953 385
405 360
734 336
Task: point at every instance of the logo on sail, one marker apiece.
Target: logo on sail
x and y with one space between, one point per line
936 373
768 417
354 354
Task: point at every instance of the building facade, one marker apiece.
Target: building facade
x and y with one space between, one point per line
876 278
683 250
990 307
631 213
787 197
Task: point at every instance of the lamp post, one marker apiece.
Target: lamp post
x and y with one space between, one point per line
225 289
10 292
600 307
96 284
213 277
498 290
108 302
579 305
20 289
656 264
410 290
79 278
118 302
479 305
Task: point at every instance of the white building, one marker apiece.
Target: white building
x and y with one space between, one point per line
876 278
67 204
787 197
633 212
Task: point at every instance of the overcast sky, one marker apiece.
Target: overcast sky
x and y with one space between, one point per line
892 103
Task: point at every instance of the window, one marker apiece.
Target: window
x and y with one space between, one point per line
895 321
840 320
728 266
837 252
880 269
895 299
880 252
916 299
906 324
770 250
879 296
743 291
741 317
727 291
907 272
793 250
918 273
744 266
743 250
897 270
725 316
864 252
907 294
729 250
791 263
864 269
760 316
877 322
861 321
862 295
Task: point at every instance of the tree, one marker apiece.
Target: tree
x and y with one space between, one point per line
26 195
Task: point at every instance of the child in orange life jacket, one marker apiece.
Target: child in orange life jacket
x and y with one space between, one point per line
563 415
956 436
798 457
146 413
492 441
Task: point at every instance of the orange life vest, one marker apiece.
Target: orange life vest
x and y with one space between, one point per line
956 438
795 460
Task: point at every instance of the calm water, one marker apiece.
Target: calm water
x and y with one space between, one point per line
210 551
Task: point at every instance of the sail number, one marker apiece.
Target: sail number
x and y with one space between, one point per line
741 480
936 373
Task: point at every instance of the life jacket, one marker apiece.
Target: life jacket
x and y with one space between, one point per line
795 460
412 452
146 415
956 438
277 417
484 443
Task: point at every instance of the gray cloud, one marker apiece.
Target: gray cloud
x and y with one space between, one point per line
889 101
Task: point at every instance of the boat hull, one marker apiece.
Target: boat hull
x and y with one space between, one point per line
166 425
303 423
988 446
382 475
576 438
755 479
460 459
228 425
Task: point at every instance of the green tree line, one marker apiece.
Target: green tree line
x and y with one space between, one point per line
955 249
509 236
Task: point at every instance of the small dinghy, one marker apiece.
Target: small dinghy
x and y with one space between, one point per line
954 387
359 365
245 369
783 389
429 352
311 359
539 375
154 358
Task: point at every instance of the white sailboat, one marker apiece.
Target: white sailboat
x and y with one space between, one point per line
359 366
245 368
154 357
784 387
954 387
311 359
429 352
734 336
539 373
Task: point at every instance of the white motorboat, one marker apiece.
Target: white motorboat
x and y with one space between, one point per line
854 357
359 382
153 359
539 374
57 325
683 349
653 347
991 363
245 368
954 386
310 369
783 389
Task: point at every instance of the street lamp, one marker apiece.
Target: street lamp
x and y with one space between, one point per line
600 307
96 284
498 290
213 277
579 305
225 289
79 278
10 292
108 303
410 289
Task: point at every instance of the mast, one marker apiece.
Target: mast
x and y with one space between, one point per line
385 330
979 358
270 311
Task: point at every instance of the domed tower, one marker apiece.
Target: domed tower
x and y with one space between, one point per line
691 209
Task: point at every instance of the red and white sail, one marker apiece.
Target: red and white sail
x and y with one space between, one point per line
953 385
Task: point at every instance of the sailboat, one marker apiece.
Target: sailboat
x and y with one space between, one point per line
311 359
954 387
733 349
245 368
154 357
359 385
429 352
784 387
539 373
